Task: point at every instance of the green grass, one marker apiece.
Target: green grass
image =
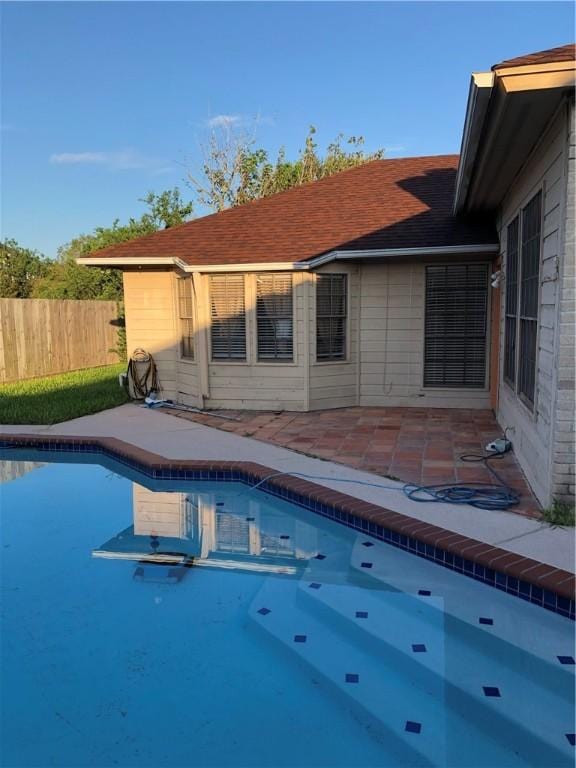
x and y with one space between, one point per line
560 513
62 397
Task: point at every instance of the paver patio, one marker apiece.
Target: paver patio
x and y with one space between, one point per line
416 445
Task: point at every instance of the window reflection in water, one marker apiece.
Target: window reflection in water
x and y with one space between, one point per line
226 529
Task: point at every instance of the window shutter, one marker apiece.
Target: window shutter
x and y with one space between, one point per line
455 325
331 310
228 318
274 315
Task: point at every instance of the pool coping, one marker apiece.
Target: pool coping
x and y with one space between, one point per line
528 579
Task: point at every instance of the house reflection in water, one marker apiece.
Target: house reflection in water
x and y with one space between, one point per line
12 470
221 529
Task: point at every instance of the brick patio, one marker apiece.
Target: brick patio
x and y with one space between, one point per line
415 445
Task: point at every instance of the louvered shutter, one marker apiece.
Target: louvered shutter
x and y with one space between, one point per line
455 325
274 316
228 317
331 310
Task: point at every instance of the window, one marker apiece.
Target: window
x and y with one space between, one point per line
228 319
274 317
331 302
510 325
455 325
522 285
185 314
529 283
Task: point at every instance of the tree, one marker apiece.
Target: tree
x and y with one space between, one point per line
19 269
65 279
234 171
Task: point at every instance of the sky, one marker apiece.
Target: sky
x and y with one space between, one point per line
103 102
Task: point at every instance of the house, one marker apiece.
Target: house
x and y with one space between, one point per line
438 282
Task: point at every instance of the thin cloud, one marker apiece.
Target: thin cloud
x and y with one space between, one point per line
220 121
230 121
122 160
394 149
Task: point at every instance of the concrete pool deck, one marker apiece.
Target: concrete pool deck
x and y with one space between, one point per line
181 439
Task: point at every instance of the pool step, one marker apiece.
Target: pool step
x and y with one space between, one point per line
411 723
476 656
463 598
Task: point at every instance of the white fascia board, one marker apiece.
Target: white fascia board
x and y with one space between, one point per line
481 84
126 261
444 250
286 266
289 266
171 261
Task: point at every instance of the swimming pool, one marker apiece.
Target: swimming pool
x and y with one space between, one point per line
176 623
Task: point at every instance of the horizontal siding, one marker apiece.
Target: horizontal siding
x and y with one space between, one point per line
253 385
531 432
392 342
335 384
149 303
158 514
563 460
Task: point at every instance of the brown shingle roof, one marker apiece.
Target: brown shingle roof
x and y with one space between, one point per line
550 56
401 203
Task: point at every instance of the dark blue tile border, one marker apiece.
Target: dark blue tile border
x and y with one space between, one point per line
270 485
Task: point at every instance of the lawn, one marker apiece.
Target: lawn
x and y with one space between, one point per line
62 397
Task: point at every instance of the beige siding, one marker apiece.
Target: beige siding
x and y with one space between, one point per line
335 384
531 432
254 385
150 322
563 429
392 342
159 514
188 381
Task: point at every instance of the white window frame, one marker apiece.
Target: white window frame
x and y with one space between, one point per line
229 361
463 388
193 317
346 359
513 387
254 292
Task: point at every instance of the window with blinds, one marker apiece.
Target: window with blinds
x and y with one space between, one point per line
529 285
522 288
274 317
228 317
185 313
331 310
511 311
455 325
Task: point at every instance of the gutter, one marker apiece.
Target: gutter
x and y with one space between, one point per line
487 101
481 85
289 266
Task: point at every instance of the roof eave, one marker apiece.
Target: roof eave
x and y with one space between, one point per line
316 261
491 115
481 84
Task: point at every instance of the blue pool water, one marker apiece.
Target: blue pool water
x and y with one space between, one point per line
206 624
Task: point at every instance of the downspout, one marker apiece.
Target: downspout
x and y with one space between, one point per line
203 320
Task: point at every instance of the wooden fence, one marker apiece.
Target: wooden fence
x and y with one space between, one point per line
39 337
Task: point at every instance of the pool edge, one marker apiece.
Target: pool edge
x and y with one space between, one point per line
528 579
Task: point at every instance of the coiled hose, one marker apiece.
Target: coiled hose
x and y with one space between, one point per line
494 496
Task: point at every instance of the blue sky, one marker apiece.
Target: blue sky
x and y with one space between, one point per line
102 102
